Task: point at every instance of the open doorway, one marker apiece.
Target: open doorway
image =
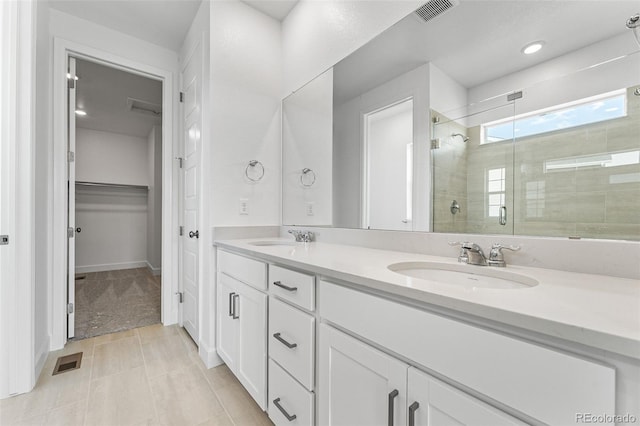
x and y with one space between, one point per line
115 199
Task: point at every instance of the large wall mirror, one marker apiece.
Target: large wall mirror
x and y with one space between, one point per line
444 123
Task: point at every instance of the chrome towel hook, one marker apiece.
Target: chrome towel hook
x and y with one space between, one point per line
254 171
307 177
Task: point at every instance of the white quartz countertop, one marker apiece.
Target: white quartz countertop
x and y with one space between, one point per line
595 310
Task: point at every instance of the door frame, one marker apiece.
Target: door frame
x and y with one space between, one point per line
62 49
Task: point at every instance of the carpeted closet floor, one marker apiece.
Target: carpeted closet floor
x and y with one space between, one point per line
111 301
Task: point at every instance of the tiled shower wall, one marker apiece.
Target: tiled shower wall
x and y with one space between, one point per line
590 202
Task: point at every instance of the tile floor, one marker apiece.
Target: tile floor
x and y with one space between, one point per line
144 376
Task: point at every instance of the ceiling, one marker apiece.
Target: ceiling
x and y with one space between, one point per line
161 22
103 91
479 41
277 9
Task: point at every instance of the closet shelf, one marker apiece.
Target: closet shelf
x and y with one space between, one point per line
111 185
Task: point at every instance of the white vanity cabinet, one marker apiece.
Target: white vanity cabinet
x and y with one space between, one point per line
359 385
242 328
364 386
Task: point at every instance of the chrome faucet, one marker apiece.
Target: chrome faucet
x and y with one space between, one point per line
496 258
302 236
472 254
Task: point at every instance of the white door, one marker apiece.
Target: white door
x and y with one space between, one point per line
434 403
71 202
192 148
359 385
250 310
227 330
388 148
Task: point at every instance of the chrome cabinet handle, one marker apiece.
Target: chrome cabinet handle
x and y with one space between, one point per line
284 342
412 413
286 287
289 417
392 397
502 219
231 304
236 315
194 234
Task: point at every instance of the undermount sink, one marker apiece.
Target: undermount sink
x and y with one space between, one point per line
272 243
464 275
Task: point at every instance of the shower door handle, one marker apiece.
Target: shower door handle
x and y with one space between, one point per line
502 218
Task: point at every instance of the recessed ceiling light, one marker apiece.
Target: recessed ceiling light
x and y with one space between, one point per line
80 112
532 47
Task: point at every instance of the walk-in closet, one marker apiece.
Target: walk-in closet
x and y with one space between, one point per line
116 212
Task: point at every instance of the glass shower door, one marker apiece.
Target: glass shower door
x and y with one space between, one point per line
472 156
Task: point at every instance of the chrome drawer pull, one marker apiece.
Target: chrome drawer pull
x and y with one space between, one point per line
286 287
231 304
276 402
235 315
392 397
284 342
412 413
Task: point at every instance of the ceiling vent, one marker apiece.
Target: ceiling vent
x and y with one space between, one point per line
136 105
433 8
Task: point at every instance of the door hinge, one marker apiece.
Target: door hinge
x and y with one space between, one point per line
181 96
4 240
180 297
435 143
71 156
513 96
71 83
181 230
70 232
180 161
69 308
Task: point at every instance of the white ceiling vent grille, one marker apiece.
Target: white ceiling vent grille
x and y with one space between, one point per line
136 105
433 8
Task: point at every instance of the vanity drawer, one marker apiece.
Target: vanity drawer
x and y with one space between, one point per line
292 327
288 398
249 271
296 287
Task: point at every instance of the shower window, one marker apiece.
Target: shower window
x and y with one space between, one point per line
496 183
595 109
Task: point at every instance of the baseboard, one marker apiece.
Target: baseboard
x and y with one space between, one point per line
41 357
110 267
209 356
154 271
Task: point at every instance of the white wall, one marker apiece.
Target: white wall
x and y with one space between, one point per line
154 200
114 229
307 133
318 34
245 118
111 158
113 221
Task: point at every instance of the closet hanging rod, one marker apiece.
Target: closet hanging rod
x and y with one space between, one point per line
112 185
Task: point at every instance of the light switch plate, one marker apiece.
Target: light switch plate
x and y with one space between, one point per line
244 206
310 208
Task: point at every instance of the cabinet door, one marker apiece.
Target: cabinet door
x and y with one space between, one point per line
439 404
359 385
227 326
251 363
